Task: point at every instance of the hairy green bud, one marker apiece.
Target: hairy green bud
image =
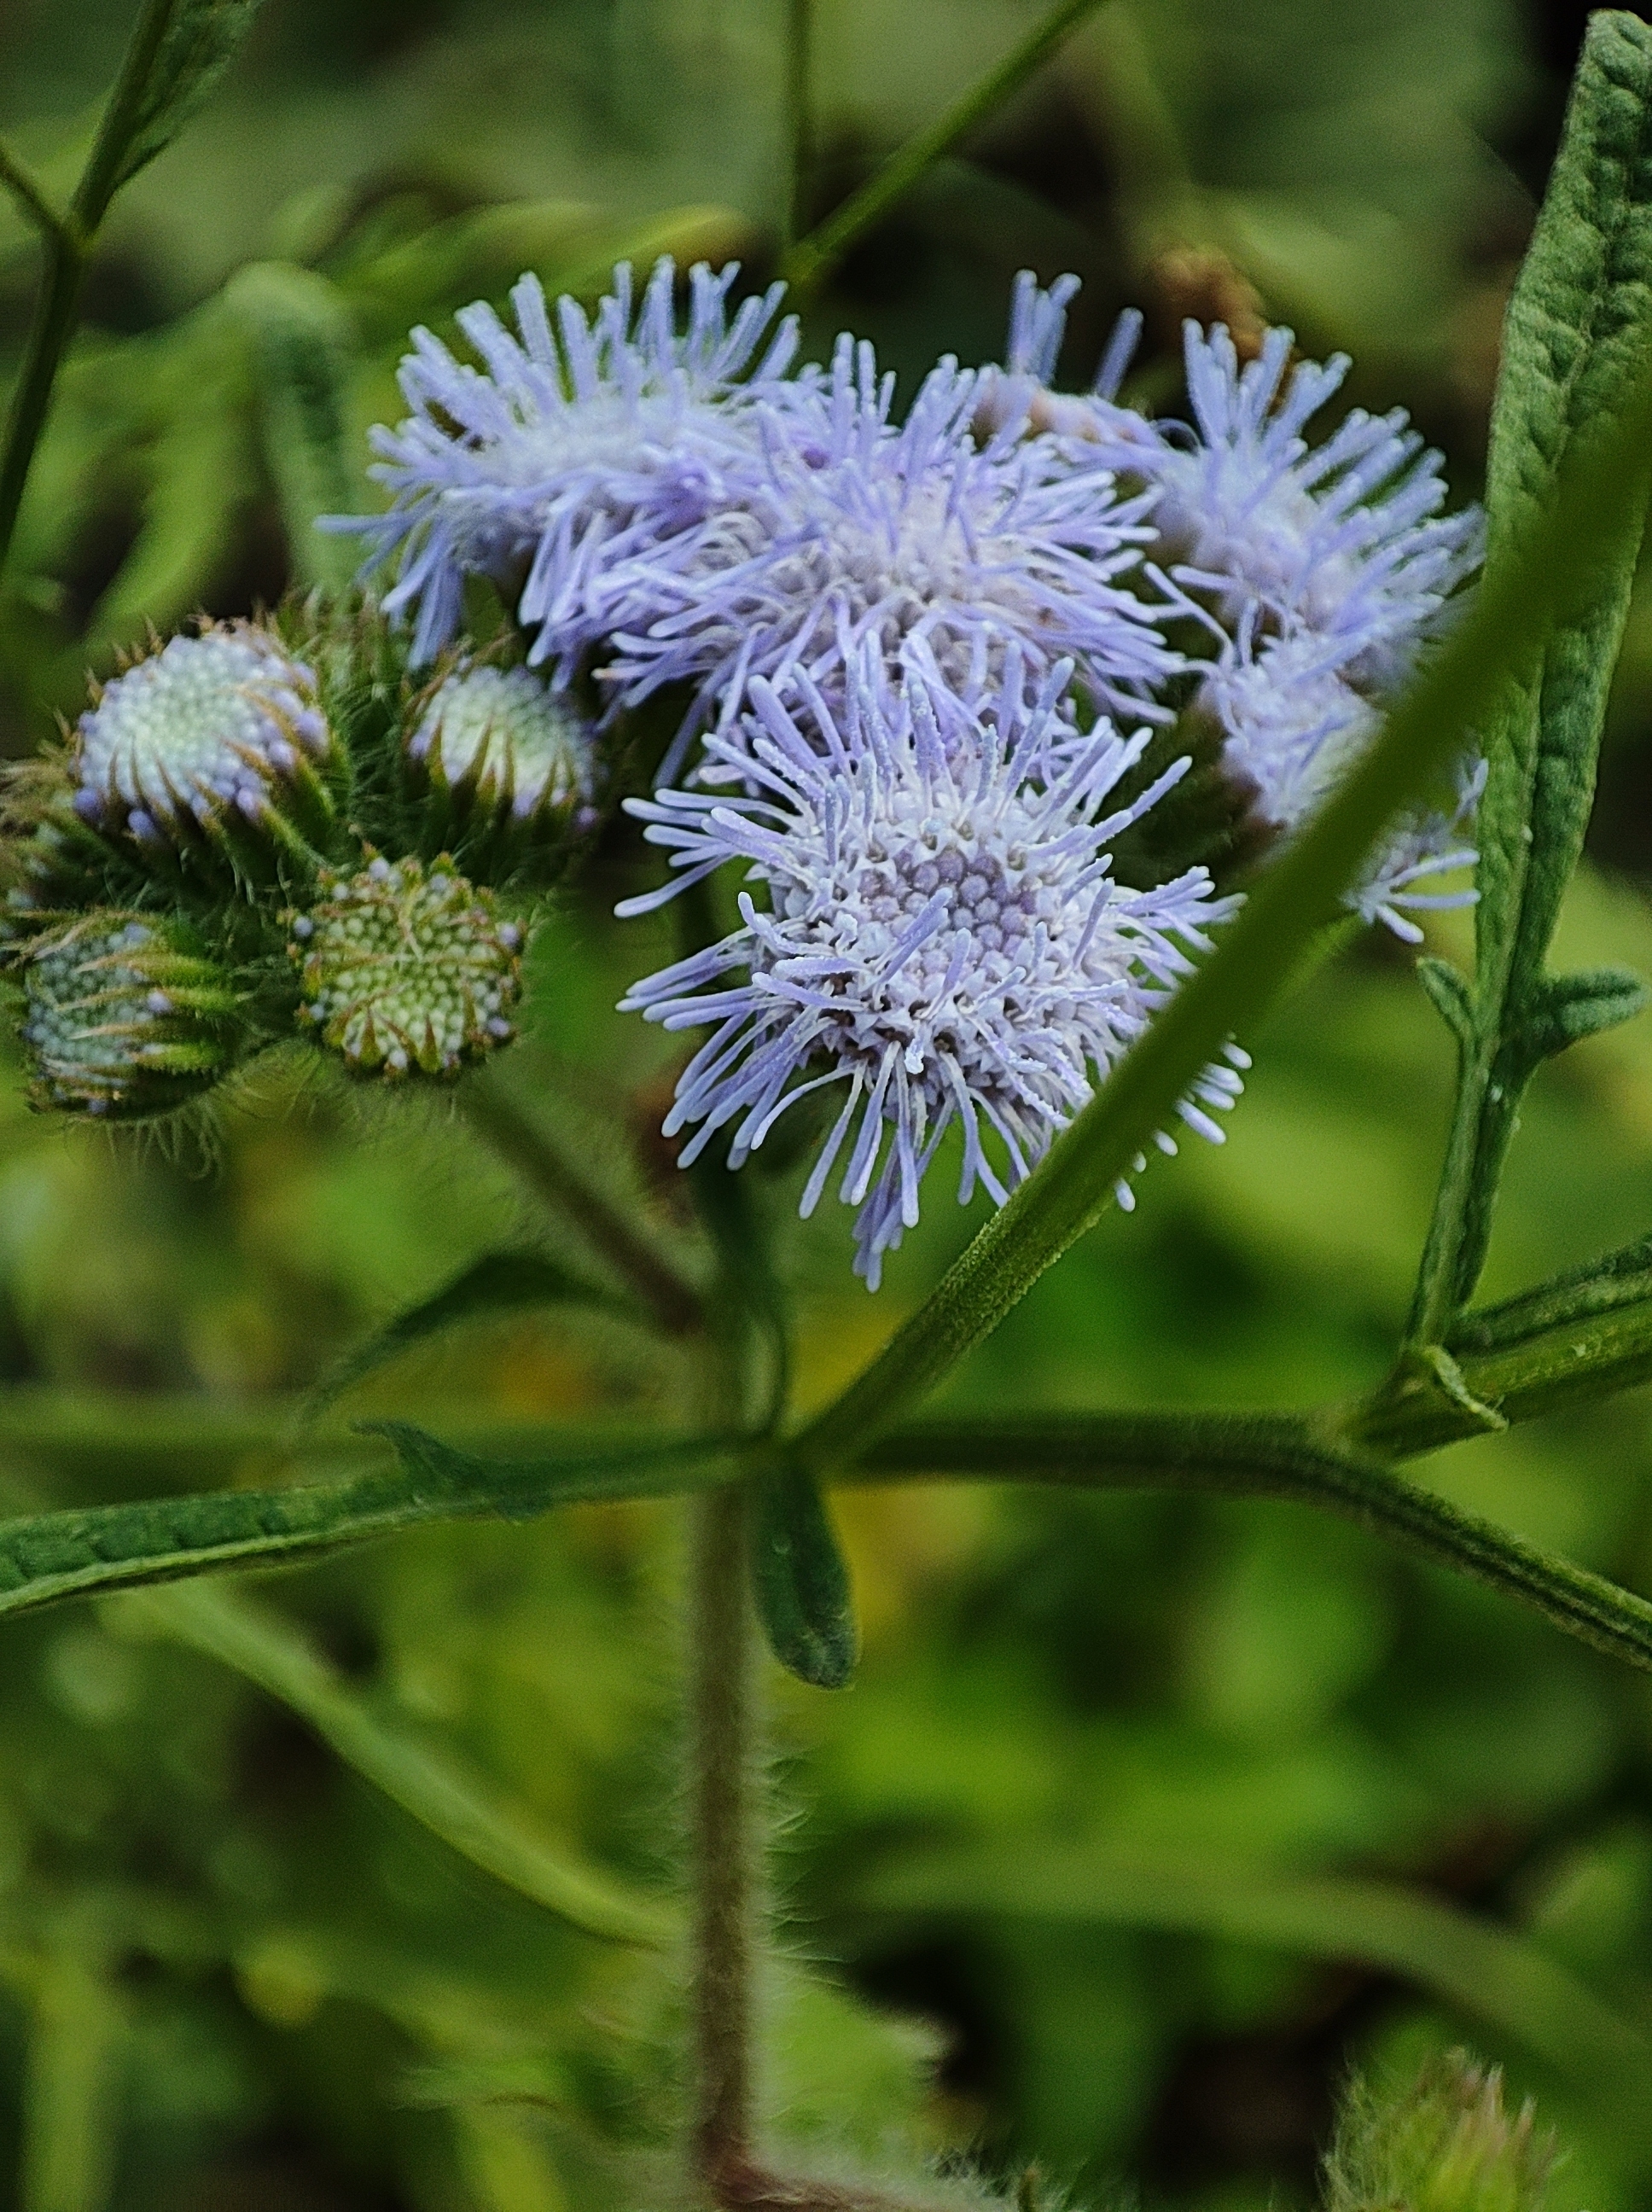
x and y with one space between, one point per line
125 1016
405 969
1446 2145
507 763
220 737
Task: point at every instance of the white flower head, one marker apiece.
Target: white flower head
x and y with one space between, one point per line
505 733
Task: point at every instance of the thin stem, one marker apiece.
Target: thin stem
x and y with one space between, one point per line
105 172
29 195
814 257
723 1818
55 312
1435 1304
1266 1456
669 1296
800 118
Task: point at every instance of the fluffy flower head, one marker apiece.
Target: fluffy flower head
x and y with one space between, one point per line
941 938
570 448
940 552
207 727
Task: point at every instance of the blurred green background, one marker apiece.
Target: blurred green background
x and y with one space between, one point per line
1145 1817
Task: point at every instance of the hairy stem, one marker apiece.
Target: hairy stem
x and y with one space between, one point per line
724 1813
813 259
1264 1456
669 1296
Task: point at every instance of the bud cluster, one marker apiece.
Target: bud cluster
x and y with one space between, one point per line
262 832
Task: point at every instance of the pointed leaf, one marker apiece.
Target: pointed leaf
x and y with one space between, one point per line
177 53
1449 993
46 1557
1562 1010
800 1581
497 1283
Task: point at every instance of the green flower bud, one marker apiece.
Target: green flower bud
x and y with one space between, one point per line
508 764
219 737
1446 2146
402 970
125 1016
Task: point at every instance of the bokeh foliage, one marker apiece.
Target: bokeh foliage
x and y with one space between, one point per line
1144 1815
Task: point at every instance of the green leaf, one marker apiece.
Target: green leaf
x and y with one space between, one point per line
46 1557
1489 1972
1564 1010
303 341
1534 574
799 1580
1576 334
497 1283
1451 997
178 52
429 1783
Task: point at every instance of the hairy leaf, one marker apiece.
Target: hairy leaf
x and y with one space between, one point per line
45 1556
497 1283
167 79
429 1783
1578 332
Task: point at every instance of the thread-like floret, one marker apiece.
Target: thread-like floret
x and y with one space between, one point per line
404 970
942 936
208 728
943 552
125 1016
570 451
502 735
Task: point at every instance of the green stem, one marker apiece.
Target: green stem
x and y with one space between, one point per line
812 260
724 1813
105 172
673 1301
29 195
1266 1456
54 312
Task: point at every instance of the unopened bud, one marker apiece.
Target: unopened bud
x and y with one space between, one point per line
507 761
126 1017
1448 2145
403 969
220 736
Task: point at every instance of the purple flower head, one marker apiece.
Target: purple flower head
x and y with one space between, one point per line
936 550
569 449
1294 727
1020 394
1343 539
940 937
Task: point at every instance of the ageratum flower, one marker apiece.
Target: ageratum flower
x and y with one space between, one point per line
937 550
501 734
571 450
941 938
209 731
1294 726
1344 540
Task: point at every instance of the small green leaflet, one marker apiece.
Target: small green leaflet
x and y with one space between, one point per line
799 1580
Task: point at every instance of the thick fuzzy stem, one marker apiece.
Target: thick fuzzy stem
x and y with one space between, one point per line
724 1815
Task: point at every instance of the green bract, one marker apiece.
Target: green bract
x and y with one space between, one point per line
402 970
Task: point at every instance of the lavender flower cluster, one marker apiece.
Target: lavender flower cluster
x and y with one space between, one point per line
933 665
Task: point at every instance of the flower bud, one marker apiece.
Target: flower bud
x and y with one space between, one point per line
125 1016
1446 2146
220 736
405 970
509 763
